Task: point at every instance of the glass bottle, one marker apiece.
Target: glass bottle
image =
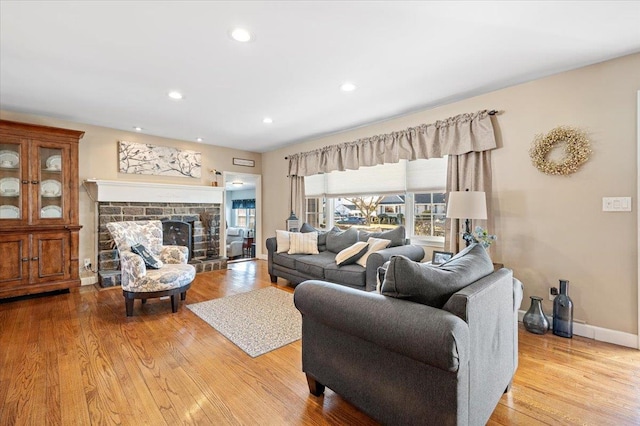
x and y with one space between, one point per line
563 312
535 321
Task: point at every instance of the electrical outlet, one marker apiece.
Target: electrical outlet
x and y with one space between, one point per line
87 263
553 292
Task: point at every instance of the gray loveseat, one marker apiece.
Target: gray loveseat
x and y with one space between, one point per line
405 362
322 266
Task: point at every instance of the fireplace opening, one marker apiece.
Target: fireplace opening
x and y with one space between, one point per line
177 233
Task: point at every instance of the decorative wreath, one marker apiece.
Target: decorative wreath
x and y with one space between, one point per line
577 151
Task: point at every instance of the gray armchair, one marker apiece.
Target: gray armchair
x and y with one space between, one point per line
234 242
405 363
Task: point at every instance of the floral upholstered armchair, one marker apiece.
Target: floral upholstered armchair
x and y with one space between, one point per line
150 269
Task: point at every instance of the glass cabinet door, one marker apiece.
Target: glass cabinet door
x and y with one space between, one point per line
51 187
11 183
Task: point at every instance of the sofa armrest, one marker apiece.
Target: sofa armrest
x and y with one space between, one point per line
272 246
174 254
425 334
132 267
378 258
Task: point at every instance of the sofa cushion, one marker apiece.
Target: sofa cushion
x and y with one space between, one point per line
286 260
374 244
338 241
314 264
354 275
397 236
303 243
352 253
434 285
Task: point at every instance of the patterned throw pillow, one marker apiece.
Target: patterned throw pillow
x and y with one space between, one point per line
149 259
352 253
306 243
375 244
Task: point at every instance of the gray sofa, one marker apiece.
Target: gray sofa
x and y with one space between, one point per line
297 268
404 362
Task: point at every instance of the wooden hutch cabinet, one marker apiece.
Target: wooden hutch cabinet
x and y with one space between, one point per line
39 225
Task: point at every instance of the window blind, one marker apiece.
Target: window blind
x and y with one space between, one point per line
406 176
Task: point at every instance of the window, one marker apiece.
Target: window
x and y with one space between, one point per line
384 196
243 213
429 214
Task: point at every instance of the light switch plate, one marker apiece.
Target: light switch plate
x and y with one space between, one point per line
616 204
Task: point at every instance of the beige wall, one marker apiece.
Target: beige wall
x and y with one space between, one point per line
548 227
98 152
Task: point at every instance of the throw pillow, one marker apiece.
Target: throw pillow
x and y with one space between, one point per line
338 241
434 285
149 259
351 253
322 235
282 241
380 273
375 244
306 243
397 236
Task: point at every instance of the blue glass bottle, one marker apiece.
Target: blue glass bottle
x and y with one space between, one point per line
563 312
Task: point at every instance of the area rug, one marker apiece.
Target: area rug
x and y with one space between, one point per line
257 322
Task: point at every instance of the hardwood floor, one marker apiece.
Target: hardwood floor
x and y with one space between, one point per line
76 359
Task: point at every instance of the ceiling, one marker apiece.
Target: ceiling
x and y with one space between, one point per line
112 64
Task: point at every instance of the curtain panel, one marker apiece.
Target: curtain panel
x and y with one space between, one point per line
459 135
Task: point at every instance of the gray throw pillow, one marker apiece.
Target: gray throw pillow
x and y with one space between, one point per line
434 285
338 241
322 235
397 236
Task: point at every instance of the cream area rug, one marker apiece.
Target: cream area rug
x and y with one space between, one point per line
257 322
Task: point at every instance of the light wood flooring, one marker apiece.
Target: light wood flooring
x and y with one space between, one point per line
76 359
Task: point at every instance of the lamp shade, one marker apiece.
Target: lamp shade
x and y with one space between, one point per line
467 205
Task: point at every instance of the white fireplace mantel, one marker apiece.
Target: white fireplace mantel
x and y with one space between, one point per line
144 192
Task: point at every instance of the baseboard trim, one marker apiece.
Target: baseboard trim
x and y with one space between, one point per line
598 333
88 280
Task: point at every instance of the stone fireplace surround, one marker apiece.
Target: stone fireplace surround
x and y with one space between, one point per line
120 201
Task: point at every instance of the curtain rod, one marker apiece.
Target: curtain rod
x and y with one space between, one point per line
492 112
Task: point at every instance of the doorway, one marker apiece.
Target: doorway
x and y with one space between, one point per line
242 216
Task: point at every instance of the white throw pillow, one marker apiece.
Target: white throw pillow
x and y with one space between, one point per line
375 244
303 243
351 254
282 241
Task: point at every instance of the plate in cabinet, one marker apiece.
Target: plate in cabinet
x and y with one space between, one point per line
50 212
50 188
9 159
9 212
54 163
9 187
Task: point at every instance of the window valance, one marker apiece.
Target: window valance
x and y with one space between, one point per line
243 204
464 133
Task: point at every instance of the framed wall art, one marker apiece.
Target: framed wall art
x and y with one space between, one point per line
145 159
243 162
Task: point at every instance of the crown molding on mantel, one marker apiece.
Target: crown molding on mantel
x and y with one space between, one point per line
144 192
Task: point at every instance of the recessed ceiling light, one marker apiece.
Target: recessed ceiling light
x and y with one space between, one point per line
348 87
199 139
267 120
175 95
241 35
138 129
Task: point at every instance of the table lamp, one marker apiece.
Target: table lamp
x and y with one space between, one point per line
466 205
